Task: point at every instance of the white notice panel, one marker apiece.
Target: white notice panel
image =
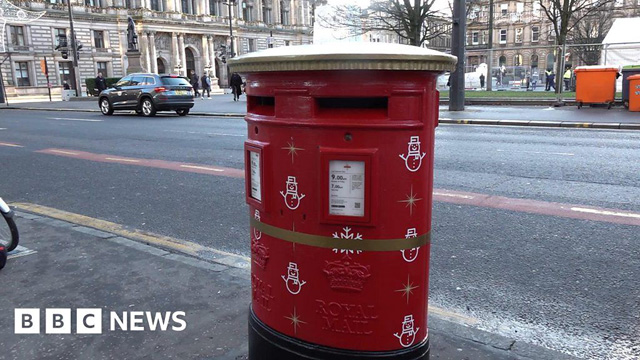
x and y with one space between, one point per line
256 191
346 188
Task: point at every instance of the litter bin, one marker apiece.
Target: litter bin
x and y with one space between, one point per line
626 72
67 94
339 177
634 92
596 85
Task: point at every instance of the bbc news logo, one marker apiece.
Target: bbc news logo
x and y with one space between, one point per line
89 321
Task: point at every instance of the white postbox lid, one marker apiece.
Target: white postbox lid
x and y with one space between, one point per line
344 56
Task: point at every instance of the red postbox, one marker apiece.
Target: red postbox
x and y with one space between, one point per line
339 176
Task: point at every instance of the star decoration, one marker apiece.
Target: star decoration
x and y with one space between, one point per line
411 201
295 321
408 289
14 14
293 150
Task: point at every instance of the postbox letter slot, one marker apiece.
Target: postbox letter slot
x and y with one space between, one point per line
370 107
261 105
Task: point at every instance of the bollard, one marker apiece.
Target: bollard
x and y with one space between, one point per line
339 180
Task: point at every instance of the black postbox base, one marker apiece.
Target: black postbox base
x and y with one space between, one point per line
267 344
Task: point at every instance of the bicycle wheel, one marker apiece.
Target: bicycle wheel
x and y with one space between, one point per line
9 233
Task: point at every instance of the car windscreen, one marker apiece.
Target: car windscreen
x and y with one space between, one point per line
167 80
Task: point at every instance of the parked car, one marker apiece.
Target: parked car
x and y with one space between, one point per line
148 94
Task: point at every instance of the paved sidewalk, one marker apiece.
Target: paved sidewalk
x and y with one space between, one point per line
73 266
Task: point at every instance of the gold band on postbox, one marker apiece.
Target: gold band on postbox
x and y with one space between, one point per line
344 244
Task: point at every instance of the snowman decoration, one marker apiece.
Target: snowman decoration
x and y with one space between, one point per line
413 158
294 285
408 335
409 255
291 197
256 233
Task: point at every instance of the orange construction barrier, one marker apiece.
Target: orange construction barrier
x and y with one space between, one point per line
595 85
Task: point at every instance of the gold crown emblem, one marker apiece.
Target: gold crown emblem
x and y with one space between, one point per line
345 275
259 253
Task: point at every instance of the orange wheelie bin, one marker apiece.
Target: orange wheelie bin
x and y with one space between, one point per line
634 92
596 85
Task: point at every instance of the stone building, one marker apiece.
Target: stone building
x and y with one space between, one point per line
174 36
523 37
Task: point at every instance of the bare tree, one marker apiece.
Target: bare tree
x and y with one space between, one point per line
564 16
415 21
591 31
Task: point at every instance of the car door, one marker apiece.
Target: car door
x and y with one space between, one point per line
118 95
133 91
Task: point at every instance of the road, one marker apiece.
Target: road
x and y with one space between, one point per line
535 230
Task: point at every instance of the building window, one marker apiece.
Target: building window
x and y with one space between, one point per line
517 60
519 8
504 8
17 35
188 7
155 5
502 61
22 73
266 15
535 33
619 3
64 69
102 68
61 37
284 13
215 8
503 36
252 45
287 43
475 38
98 39
247 11
536 9
91 3
519 35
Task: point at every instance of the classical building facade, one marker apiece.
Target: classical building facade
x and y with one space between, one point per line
174 36
523 37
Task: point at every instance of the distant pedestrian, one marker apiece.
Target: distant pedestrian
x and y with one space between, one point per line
101 83
534 80
547 79
528 80
567 79
65 85
236 86
194 83
552 81
481 81
206 85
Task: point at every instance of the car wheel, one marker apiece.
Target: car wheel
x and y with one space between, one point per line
105 106
148 109
182 112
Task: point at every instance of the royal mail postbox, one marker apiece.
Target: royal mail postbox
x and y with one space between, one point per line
339 169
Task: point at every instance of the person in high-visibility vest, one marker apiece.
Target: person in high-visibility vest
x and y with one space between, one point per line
567 79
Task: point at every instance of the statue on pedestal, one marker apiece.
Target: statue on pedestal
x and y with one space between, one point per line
132 37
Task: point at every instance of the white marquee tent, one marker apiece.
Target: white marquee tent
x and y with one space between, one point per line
621 46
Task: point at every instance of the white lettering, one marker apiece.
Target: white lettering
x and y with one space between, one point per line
176 319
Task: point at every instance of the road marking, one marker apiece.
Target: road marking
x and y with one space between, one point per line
20 251
537 152
122 159
606 212
3 128
204 133
10 144
167 242
438 193
152 163
71 119
201 167
450 315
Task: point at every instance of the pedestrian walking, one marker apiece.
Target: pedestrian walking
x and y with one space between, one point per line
481 81
194 83
567 78
547 79
552 81
236 86
101 83
206 85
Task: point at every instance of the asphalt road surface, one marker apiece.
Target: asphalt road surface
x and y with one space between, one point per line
535 230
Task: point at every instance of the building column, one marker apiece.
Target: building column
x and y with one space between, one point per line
145 45
183 56
212 59
205 50
175 53
154 54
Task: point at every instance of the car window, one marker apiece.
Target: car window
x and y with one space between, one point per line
137 80
148 80
169 80
124 81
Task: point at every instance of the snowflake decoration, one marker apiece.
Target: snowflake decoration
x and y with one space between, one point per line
13 14
347 234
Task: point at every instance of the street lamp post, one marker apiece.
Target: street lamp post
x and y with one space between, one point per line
490 46
230 4
74 49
